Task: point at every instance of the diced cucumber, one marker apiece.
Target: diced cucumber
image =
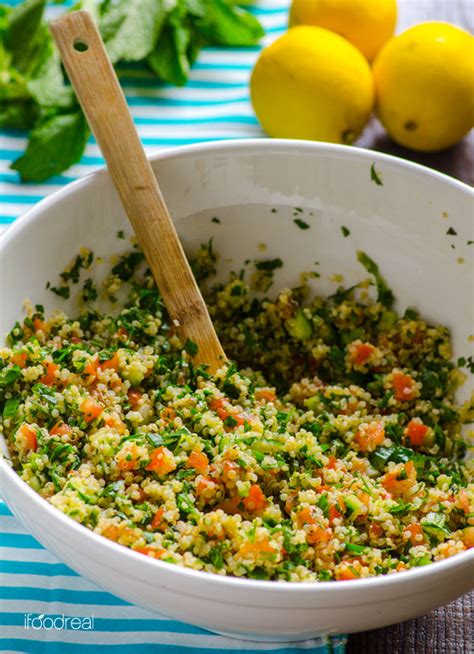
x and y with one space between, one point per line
387 320
300 327
354 506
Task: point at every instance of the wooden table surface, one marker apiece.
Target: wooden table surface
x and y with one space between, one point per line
448 630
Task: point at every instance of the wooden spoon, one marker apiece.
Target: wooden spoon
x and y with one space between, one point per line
102 100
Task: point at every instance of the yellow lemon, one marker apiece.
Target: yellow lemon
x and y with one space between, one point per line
424 82
312 84
368 24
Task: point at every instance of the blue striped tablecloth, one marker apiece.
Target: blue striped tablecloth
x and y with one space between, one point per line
214 105
36 587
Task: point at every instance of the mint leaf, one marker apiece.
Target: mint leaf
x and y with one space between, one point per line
11 407
224 23
130 28
54 145
46 83
169 60
23 23
12 83
18 114
111 16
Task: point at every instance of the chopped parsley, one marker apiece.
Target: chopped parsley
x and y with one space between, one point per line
345 232
191 348
61 291
385 295
375 176
301 223
89 291
269 265
127 265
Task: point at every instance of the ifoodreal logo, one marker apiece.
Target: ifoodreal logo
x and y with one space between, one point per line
58 622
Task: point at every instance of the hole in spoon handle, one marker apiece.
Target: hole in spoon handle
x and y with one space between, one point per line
80 45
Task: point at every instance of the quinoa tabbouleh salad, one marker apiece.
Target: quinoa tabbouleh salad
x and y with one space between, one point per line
329 449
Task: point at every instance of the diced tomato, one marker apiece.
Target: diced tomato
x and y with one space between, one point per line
360 353
255 500
239 420
400 480
27 436
416 432
228 470
256 549
120 533
375 530
230 505
168 414
359 465
19 359
468 537
265 394
127 458
331 464
198 461
221 407
305 517
112 363
346 572
154 552
134 397
111 532
60 429
49 378
91 409
204 484
317 534
364 498
217 404
403 386
114 423
290 500
463 501
91 370
157 518
413 533
369 437
39 325
161 461
336 510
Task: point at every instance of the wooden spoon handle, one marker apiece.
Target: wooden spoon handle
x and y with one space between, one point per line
102 100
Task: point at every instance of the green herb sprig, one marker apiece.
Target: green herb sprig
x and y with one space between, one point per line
166 35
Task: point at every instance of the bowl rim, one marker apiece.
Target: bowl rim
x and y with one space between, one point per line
238 146
235 145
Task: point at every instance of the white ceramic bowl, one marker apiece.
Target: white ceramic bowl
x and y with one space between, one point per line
402 224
